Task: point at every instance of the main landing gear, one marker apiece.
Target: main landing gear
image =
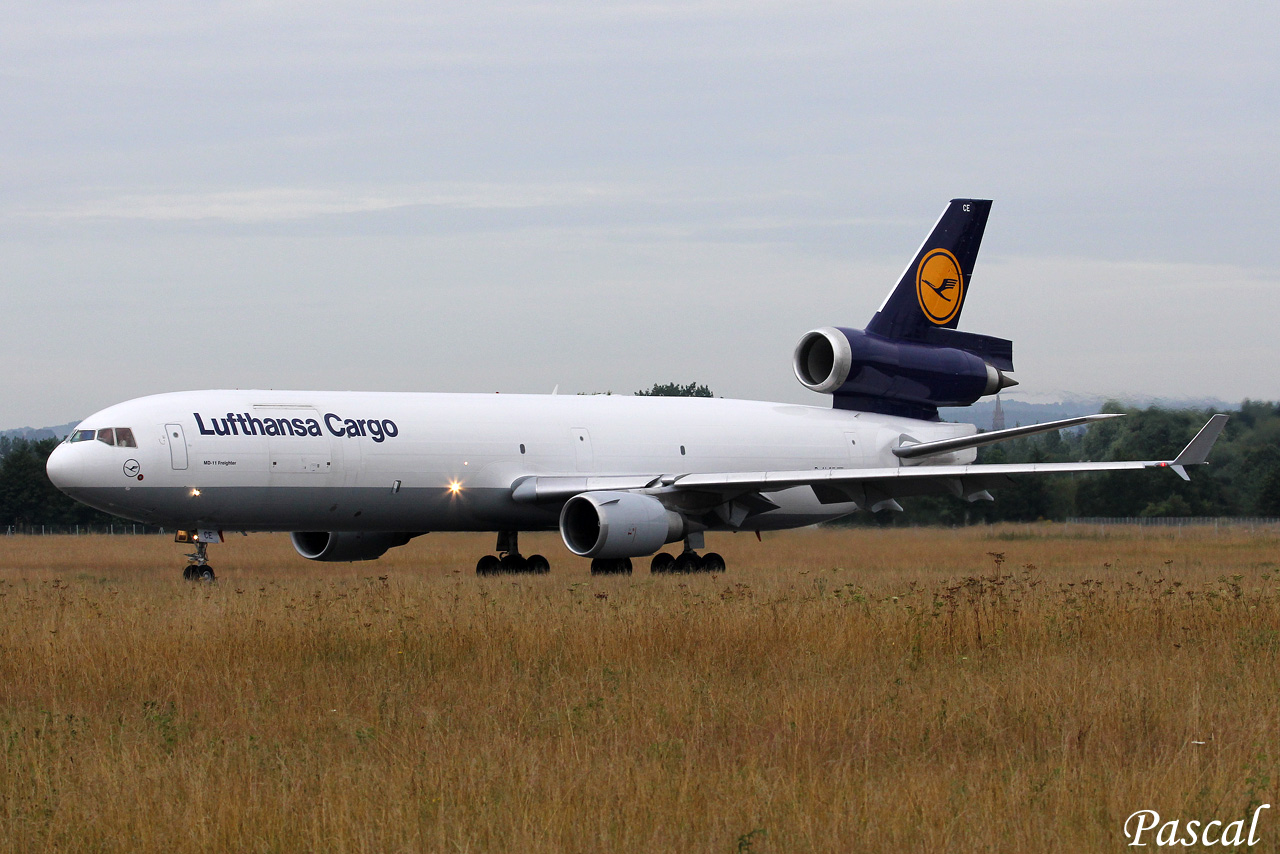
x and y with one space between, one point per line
611 566
198 569
509 559
688 560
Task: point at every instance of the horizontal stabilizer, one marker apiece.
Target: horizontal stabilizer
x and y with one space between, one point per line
946 446
997 352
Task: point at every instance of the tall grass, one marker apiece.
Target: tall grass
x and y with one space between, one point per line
1004 689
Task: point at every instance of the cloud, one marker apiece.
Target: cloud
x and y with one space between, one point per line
284 204
600 194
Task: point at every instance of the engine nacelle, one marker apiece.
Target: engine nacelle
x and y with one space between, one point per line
346 545
618 524
869 372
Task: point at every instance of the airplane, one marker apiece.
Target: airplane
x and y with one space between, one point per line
351 475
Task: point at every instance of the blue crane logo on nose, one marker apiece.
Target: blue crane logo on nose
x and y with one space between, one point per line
131 468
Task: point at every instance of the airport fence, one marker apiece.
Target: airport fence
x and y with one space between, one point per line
1248 522
117 529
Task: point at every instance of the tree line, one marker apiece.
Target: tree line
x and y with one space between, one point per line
1242 479
27 498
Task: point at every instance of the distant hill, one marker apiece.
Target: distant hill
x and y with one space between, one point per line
34 433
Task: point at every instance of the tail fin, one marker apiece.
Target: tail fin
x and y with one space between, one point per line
931 293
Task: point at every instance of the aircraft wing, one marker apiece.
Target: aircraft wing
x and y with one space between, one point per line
873 488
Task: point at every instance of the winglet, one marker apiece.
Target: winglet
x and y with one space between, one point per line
1197 450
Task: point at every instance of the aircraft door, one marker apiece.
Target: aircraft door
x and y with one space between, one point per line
177 439
582 456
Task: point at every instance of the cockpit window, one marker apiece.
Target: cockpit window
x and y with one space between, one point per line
120 437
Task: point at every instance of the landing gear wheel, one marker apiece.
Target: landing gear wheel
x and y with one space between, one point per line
513 563
687 562
198 568
712 562
537 565
607 566
662 562
487 565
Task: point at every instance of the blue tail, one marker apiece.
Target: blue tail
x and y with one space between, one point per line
931 292
911 359
926 304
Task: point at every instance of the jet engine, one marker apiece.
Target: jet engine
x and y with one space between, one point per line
871 373
346 545
618 525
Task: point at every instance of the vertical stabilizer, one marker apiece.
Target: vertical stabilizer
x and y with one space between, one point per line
933 288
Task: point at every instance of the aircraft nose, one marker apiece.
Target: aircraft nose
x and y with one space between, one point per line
60 469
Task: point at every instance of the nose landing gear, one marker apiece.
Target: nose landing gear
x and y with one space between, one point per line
198 568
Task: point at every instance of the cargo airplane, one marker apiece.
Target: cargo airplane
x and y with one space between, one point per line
353 474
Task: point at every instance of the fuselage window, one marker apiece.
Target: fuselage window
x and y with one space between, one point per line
522 447
81 436
107 436
124 438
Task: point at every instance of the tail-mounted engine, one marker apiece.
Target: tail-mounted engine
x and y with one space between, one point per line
911 359
873 374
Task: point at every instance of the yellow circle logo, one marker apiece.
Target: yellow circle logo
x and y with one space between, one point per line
939 286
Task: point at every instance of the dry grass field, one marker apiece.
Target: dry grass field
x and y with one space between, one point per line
1001 689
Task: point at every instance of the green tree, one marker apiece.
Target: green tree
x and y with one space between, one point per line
28 498
1243 474
1152 434
1268 501
677 390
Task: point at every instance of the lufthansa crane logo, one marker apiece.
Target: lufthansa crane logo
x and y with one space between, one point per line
939 286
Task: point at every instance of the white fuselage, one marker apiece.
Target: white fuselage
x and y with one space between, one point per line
416 462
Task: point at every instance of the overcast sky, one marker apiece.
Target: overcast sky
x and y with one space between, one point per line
510 197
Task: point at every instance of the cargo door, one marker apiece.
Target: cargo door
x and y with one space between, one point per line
296 453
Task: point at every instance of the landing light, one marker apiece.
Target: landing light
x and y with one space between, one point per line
454 487
195 493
